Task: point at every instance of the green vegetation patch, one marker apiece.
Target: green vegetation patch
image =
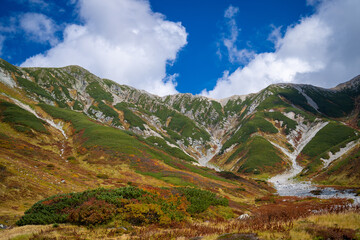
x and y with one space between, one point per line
133 119
180 126
96 134
308 116
330 135
78 106
251 126
261 157
174 178
210 112
289 123
107 111
332 104
20 119
293 96
272 101
98 93
124 205
31 88
187 128
233 106
353 159
9 67
115 139
201 200
329 139
173 151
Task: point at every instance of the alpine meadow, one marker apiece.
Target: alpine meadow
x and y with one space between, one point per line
84 157
176 120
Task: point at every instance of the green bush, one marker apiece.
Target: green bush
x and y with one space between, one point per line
139 214
92 212
131 204
201 199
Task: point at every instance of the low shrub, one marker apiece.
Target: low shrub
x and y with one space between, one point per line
92 212
139 214
201 199
102 176
130 204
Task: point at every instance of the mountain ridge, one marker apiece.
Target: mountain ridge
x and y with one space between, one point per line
65 130
200 126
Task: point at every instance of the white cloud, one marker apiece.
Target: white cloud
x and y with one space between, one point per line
121 40
313 2
231 11
39 27
230 39
2 39
275 35
322 50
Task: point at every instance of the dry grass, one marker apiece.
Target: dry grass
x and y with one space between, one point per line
25 231
332 222
342 220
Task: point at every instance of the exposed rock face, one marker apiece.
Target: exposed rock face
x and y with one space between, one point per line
223 134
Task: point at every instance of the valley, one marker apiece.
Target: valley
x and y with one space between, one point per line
68 134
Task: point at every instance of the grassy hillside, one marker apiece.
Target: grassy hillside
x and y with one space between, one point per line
256 156
250 126
345 171
97 155
329 139
128 163
20 119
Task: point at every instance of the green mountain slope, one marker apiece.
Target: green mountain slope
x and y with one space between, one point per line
236 134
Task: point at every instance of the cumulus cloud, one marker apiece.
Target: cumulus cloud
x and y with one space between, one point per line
121 40
322 49
230 39
39 27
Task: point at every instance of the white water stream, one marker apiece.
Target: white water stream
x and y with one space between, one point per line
286 185
58 126
204 161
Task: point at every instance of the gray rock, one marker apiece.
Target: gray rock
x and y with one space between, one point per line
243 216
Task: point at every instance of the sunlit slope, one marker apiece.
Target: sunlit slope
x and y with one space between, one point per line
252 134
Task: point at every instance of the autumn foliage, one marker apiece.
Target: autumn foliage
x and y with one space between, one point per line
130 204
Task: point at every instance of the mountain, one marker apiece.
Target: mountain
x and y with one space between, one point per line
65 129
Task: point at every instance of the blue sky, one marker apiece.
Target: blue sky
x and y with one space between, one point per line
214 48
198 63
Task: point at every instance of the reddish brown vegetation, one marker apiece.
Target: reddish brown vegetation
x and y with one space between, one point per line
275 215
333 233
92 212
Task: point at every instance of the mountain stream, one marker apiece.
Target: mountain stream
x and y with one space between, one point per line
286 185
